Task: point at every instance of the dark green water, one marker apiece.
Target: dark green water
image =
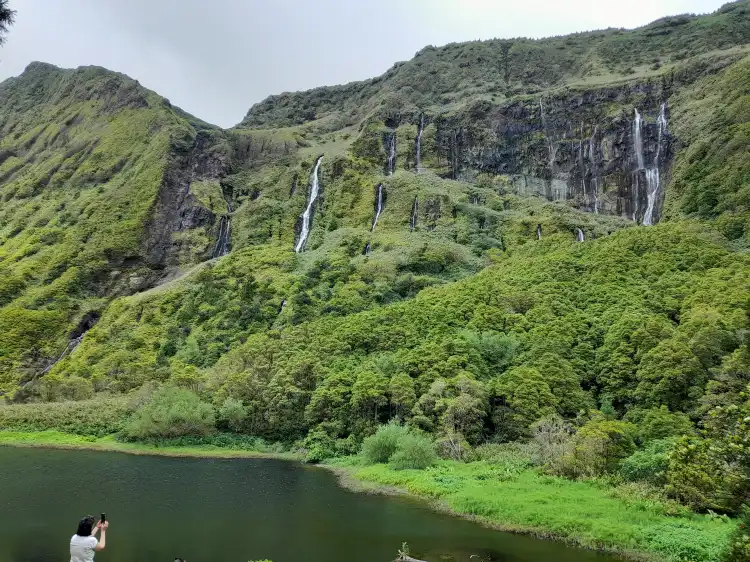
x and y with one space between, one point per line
235 510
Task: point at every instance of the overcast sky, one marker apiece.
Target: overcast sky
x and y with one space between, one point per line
215 58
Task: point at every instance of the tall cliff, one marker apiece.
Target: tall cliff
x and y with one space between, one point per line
138 243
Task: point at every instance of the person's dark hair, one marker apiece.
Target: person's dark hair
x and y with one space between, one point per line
85 525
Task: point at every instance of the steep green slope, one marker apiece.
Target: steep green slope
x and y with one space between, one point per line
94 183
391 310
170 331
641 318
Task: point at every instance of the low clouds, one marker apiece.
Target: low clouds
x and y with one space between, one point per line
215 59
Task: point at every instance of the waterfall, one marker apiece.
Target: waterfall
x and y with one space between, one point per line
551 146
307 215
378 207
539 232
367 250
418 144
413 218
580 237
594 171
72 344
225 232
653 180
391 164
638 139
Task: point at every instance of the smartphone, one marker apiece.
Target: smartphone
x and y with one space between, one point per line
104 517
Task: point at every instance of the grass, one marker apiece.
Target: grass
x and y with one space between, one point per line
506 496
586 514
60 440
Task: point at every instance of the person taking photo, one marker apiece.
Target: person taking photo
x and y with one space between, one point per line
83 545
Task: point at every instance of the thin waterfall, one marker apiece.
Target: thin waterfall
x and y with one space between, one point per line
307 215
225 232
391 164
551 146
70 348
539 232
580 236
414 211
582 164
367 250
639 160
653 179
418 144
638 139
594 171
378 207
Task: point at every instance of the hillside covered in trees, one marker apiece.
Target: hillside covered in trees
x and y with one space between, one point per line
511 242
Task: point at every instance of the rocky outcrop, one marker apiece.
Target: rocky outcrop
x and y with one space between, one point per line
584 147
204 156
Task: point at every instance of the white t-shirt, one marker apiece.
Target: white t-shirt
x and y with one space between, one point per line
82 548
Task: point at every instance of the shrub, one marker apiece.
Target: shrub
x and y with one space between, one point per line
320 446
98 417
738 549
699 476
379 448
53 388
554 438
413 451
172 412
597 448
232 414
649 464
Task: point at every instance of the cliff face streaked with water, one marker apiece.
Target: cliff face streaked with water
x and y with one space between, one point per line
340 200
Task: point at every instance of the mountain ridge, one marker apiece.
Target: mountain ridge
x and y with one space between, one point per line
469 246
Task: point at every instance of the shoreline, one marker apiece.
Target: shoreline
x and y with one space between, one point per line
68 441
347 479
350 477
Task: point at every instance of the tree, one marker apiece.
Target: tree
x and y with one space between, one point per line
523 397
369 393
598 447
670 374
401 393
7 18
465 413
659 423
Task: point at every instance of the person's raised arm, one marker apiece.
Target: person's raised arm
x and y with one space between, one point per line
103 538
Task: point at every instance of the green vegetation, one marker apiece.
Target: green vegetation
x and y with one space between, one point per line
712 176
84 158
739 542
171 412
218 446
7 17
593 514
400 446
469 347
462 73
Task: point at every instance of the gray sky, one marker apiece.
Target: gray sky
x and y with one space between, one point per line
215 58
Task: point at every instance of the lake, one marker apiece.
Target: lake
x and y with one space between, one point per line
235 510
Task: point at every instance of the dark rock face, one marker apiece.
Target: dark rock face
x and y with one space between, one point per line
582 147
176 209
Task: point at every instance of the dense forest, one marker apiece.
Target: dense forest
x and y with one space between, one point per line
459 259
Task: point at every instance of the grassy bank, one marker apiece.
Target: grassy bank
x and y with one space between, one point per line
624 519
621 519
60 440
